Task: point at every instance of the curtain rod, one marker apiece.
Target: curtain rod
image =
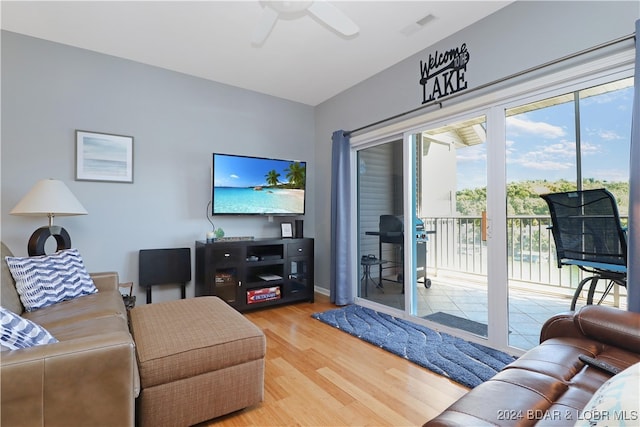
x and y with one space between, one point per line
497 81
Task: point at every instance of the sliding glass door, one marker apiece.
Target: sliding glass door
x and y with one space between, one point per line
450 244
451 228
380 223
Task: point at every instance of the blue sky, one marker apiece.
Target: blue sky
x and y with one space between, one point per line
238 171
541 143
96 147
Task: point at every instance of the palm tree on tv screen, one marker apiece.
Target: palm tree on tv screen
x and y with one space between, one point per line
296 174
272 177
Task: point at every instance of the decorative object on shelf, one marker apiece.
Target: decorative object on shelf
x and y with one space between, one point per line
286 229
48 197
215 233
104 157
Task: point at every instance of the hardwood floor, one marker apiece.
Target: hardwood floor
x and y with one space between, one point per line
316 375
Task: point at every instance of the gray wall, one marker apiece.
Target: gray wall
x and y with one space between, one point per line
50 90
515 38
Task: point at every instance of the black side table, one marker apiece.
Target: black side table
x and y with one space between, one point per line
164 266
366 263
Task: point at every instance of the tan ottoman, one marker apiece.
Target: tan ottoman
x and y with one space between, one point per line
198 359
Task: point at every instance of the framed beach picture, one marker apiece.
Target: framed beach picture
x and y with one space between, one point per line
104 157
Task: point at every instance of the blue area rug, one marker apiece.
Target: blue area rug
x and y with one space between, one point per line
462 361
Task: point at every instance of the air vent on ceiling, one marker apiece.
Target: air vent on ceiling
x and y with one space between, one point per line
417 25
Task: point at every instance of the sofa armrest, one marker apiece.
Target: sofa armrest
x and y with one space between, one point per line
609 325
613 326
105 281
90 379
560 325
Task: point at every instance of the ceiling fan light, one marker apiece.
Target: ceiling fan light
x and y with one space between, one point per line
334 18
322 10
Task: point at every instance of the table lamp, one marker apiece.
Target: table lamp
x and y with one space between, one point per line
48 197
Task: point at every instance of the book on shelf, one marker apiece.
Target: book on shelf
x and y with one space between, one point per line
269 277
225 278
263 295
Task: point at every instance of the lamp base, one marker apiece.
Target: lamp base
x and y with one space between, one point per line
39 237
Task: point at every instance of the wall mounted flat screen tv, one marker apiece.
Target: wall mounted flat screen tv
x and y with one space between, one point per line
244 185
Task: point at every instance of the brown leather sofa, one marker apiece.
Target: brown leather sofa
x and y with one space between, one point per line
549 385
89 377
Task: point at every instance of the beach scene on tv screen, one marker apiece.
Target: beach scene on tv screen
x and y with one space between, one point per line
251 185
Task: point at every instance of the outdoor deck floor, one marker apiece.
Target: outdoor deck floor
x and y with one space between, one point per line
528 309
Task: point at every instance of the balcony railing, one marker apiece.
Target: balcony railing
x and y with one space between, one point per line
457 245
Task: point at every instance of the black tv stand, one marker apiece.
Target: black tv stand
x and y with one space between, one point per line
257 273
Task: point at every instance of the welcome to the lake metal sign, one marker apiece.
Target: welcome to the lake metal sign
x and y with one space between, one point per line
444 73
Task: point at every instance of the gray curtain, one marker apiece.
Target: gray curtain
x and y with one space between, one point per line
633 268
341 291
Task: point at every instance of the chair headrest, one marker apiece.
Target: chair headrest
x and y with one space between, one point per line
390 223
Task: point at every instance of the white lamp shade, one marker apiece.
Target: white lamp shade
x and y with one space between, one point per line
49 197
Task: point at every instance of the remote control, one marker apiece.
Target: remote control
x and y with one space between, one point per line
599 364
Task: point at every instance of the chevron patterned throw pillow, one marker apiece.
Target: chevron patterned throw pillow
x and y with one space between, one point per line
17 332
48 279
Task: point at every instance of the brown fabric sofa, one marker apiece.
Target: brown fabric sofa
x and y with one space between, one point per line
549 385
89 377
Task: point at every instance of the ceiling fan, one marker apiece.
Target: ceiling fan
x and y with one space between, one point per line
294 9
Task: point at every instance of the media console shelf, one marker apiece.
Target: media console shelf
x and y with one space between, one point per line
250 274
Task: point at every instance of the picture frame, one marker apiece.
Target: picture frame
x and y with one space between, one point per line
286 229
104 157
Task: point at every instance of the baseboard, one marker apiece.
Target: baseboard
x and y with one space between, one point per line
321 291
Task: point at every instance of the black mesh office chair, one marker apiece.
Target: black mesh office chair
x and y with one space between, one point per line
587 232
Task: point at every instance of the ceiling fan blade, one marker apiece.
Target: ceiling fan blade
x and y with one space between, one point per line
262 31
333 17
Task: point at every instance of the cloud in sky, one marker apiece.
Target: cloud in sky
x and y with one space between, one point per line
562 149
472 153
558 156
608 135
549 165
521 125
588 149
234 176
612 175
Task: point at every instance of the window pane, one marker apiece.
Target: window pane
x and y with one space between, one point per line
541 153
605 128
547 154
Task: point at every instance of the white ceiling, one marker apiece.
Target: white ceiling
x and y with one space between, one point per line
303 60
